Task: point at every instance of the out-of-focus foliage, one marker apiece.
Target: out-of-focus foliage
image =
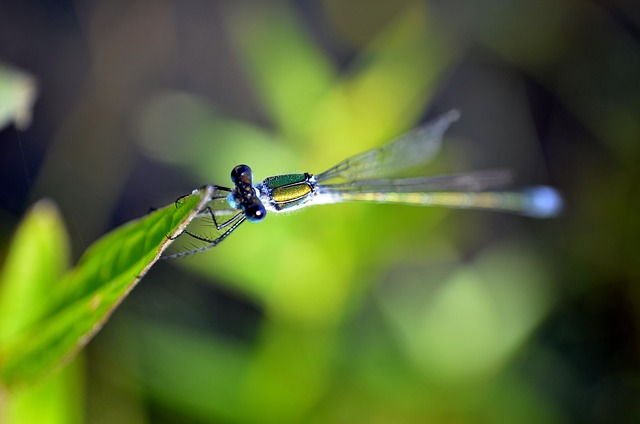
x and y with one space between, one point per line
25 289
346 313
47 312
18 91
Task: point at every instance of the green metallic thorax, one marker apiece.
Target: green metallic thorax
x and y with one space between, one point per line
284 180
288 191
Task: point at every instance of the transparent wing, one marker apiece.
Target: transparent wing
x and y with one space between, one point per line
465 191
415 147
470 181
210 227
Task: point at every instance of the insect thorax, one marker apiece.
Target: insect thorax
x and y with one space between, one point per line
287 192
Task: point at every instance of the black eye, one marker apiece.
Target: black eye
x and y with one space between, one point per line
255 211
242 174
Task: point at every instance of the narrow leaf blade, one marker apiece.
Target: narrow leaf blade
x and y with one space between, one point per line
90 292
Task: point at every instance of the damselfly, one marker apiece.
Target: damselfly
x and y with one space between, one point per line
368 177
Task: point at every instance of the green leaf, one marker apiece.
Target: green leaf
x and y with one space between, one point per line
291 73
89 293
58 400
18 91
37 258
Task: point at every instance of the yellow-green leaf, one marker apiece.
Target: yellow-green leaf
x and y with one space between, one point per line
87 295
37 258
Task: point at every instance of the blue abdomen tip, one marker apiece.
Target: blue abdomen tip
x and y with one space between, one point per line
543 202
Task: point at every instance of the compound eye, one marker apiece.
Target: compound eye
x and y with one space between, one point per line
255 211
242 174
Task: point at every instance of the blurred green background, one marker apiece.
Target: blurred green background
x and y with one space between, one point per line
343 313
